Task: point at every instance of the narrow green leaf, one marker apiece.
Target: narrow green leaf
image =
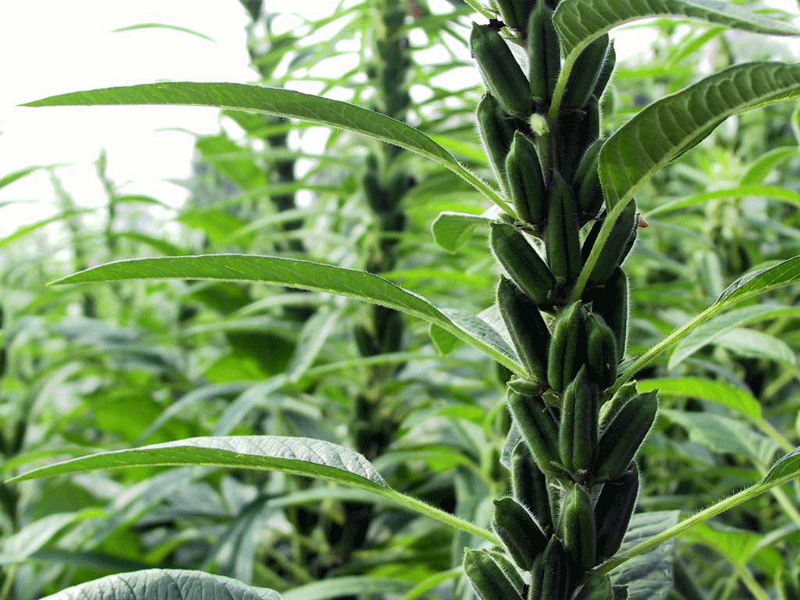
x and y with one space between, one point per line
760 168
282 102
164 584
12 177
312 276
745 288
719 392
337 587
298 456
162 26
671 126
579 22
749 343
759 191
711 331
27 229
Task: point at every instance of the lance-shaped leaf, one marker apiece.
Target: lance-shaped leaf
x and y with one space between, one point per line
579 22
164 584
295 455
282 102
671 126
305 275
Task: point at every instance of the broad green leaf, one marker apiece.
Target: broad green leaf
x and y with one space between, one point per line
312 276
282 102
737 545
786 468
750 343
724 435
762 191
164 584
338 587
735 398
451 230
444 341
671 126
33 536
177 28
298 456
579 22
649 575
745 288
710 331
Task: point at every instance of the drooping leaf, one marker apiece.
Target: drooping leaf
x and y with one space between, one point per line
579 22
719 392
312 276
164 584
282 102
674 124
710 331
298 456
649 575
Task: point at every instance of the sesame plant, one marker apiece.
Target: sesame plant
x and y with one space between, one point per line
568 219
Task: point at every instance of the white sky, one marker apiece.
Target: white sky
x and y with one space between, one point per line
52 46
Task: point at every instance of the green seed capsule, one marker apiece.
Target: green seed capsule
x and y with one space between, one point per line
556 573
623 436
613 511
563 242
610 301
605 72
526 181
577 434
497 131
538 429
515 12
529 486
585 74
487 577
616 246
579 528
567 347
610 409
519 532
528 331
521 261
544 54
587 188
500 71
601 352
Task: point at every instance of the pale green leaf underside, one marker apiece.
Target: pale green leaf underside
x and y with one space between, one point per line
306 275
451 230
578 22
276 101
158 584
719 392
671 126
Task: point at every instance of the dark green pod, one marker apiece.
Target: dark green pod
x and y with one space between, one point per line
586 186
529 486
610 409
616 246
624 434
556 572
585 74
508 568
526 181
496 129
577 434
528 330
611 302
577 131
567 347
538 429
365 342
579 528
487 577
519 532
515 12
596 587
500 71
563 242
605 72
521 261
391 333
601 352
544 54
613 511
